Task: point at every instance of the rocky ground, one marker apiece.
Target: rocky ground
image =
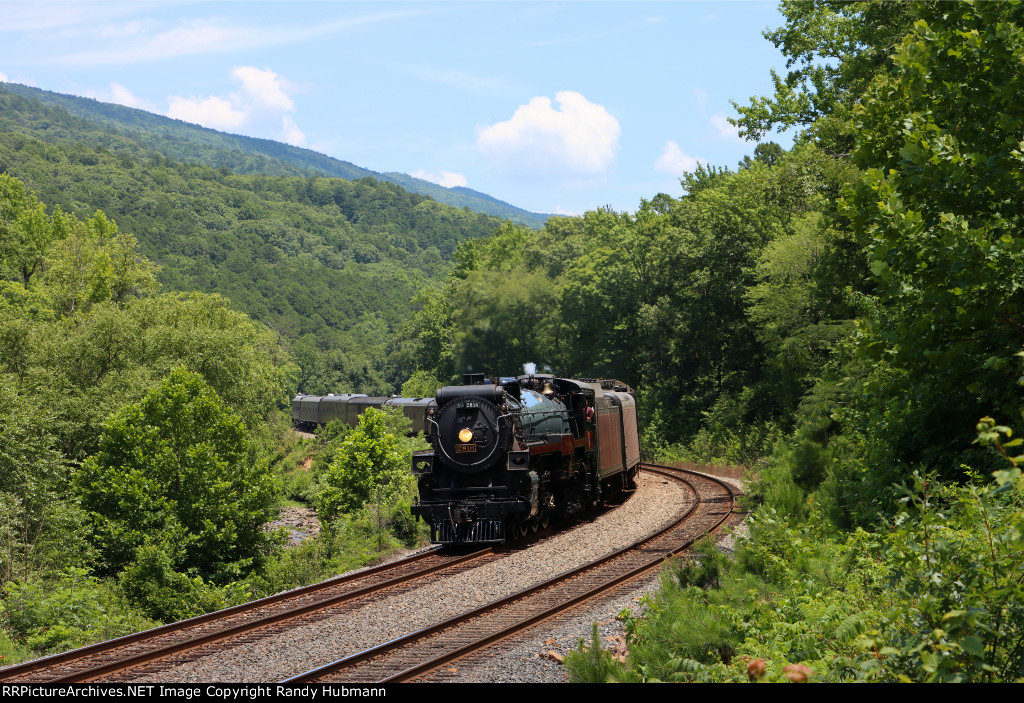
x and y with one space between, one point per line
299 524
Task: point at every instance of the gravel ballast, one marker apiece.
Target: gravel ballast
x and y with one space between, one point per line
655 502
536 655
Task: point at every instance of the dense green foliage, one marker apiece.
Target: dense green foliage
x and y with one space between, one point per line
934 597
833 50
938 210
720 304
329 264
57 118
369 466
140 433
174 485
72 610
176 471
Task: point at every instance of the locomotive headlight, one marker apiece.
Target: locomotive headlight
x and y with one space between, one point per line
465 435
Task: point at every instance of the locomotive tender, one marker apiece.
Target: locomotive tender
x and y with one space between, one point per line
508 454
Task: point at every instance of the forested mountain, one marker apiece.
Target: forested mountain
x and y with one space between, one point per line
189 143
329 263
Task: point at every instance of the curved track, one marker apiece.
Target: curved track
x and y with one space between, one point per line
143 650
419 653
157 650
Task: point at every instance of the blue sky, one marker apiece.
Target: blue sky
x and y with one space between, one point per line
553 107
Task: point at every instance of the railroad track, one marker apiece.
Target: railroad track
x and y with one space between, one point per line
142 652
148 653
419 653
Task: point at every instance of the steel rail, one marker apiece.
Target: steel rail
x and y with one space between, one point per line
412 638
18 671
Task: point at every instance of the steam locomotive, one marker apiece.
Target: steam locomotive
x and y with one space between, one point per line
509 454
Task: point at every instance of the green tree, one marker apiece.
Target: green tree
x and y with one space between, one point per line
40 528
833 49
175 471
94 262
505 321
25 230
422 384
938 211
370 464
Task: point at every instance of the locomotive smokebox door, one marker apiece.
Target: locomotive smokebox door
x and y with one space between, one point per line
471 434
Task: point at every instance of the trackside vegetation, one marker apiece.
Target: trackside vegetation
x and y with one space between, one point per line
887 541
844 319
145 444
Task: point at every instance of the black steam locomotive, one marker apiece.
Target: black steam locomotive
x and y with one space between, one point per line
509 454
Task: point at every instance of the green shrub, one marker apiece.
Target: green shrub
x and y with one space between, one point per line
52 615
702 570
347 543
591 664
934 596
178 467
300 486
368 462
151 582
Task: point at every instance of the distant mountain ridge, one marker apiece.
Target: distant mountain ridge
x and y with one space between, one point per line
333 265
186 142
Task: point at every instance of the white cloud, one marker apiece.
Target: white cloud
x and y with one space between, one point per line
725 130
463 80
579 138
445 178
674 161
128 29
292 134
21 17
3 77
559 210
213 112
189 38
259 108
122 96
143 41
263 87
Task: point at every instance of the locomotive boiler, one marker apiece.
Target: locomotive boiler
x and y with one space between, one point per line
508 455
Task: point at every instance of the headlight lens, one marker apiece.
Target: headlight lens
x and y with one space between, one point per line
465 435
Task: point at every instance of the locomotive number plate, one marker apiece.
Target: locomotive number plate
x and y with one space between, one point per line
465 448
